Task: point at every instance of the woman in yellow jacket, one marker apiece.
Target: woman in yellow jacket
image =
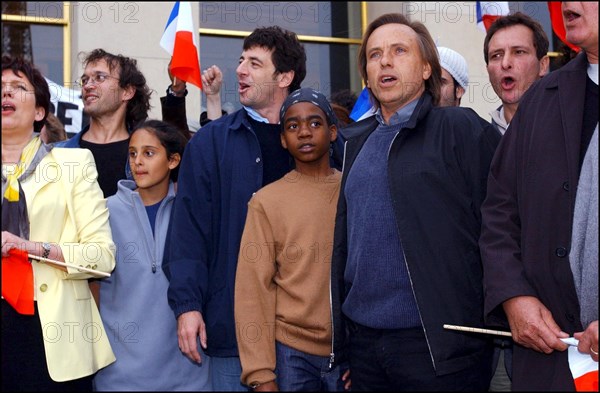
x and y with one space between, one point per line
52 207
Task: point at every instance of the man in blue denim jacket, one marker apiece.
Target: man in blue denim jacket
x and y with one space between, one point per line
225 162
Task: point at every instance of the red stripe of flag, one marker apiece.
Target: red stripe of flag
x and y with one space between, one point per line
185 64
488 20
17 281
587 382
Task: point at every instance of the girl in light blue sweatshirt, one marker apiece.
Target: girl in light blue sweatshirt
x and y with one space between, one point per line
133 301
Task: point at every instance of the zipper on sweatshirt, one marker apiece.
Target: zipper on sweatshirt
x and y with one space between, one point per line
161 211
144 219
157 221
332 354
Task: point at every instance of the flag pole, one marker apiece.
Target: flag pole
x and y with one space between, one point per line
66 264
478 330
571 341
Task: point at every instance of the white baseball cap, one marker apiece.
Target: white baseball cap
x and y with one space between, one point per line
455 64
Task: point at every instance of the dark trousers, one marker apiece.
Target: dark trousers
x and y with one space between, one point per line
502 366
399 360
23 358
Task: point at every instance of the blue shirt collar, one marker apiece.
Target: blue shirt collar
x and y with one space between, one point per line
254 114
402 115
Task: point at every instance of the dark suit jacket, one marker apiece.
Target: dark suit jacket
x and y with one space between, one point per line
528 216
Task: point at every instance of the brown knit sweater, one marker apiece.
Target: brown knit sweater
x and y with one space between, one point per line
282 279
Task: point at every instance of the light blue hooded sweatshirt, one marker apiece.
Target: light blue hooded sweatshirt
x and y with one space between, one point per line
134 307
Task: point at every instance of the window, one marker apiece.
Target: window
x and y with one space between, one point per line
39 32
331 33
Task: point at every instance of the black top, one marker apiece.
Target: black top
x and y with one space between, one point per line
111 159
277 161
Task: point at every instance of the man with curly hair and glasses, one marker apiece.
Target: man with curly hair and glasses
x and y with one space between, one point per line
116 98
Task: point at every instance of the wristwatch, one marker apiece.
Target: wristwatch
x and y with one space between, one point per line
254 385
47 248
180 94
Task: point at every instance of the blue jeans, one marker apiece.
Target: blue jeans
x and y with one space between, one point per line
226 373
300 371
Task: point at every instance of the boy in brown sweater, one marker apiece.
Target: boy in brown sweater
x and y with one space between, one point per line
282 308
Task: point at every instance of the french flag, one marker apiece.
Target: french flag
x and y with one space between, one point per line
584 370
180 41
489 11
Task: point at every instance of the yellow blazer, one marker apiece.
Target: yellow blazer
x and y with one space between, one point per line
67 207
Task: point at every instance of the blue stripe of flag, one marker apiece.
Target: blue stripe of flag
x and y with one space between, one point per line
174 14
361 106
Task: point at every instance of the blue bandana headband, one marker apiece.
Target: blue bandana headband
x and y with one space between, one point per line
308 94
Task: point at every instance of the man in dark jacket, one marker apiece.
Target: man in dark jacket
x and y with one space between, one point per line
515 50
225 162
406 259
528 216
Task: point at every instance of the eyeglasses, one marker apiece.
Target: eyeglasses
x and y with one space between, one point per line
95 79
15 87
